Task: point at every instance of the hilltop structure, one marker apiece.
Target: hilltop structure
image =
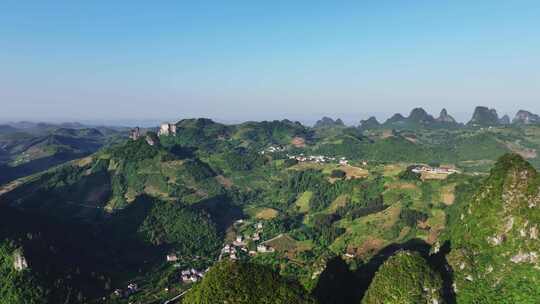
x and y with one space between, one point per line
19 261
135 133
167 129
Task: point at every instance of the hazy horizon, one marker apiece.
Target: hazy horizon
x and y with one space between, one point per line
133 61
350 119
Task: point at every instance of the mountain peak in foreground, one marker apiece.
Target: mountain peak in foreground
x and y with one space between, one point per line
246 283
405 277
495 238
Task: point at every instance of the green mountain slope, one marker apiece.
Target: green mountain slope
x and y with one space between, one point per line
242 283
494 238
405 278
17 285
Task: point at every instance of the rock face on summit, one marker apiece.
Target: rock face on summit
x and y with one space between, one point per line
526 118
370 123
484 117
419 115
327 122
505 120
419 118
495 238
444 117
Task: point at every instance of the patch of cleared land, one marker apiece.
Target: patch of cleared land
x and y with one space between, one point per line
283 243
225 182
401 186
448 194
366 228
340 201
303 201
526 153
435 176
298 142
369 247
354 172
84 161
266 213
393 169
437 223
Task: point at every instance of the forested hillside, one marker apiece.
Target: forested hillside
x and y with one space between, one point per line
305 213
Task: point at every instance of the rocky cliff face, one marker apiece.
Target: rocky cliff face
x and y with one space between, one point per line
505 120
327 122
444 117
419 115
526 118
370 123
396 118
484 117
420 118
495 243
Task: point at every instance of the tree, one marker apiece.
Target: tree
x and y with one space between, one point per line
338 174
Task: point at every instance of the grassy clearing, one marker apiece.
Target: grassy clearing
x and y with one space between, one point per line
354 172
402 186
283 243
225 182
448 194
437 223
266 214
393 169
365 229
434 176
303 201
340 201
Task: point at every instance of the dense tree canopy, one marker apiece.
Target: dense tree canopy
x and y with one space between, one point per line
405 278
17 286
243 283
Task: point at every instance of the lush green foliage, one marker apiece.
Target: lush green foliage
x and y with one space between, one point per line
126 206
242 283
493 251
17 286
408 174
405 278
188 231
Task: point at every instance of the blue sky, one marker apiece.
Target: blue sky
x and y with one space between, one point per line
238 60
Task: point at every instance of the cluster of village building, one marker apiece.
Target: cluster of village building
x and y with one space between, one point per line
239 245
124 293
273 149
434 170
319 159
188 275
192 275
233 251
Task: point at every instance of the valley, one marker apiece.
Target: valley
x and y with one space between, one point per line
324 214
